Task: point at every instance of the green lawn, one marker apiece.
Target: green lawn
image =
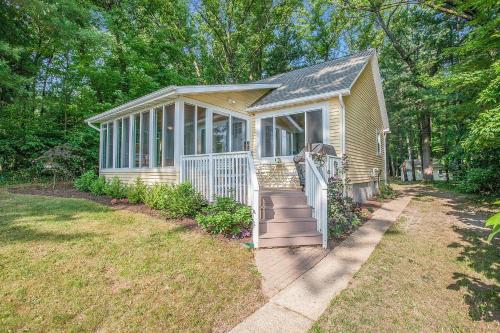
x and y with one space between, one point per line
432 272
74 265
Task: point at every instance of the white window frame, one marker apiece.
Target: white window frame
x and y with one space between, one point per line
286 112
378 142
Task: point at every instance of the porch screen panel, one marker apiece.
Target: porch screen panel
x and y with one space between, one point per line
314 127
137 140
168 132
145 140
119 142
109 153
104 144
126 142
201 130
266 137
220 138
158 137
189 129
239 134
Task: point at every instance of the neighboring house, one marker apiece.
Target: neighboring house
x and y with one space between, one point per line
240 139
438 171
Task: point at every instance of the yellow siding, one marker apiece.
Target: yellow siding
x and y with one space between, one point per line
148 176
334 124
363 119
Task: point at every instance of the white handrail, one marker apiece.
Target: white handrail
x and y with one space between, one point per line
255 200
317 196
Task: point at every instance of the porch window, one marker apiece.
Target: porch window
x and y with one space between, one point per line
238 134
104 144
157 132
201 130
125 138
109 148
286 135
220 130
168 135
137 140
144 140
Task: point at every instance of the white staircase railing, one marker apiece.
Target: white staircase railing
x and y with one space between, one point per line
332 167
225 175
317 195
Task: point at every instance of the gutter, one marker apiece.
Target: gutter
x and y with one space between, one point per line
299 100
93 126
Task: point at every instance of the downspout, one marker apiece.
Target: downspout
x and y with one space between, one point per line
93 126
343 139
385 132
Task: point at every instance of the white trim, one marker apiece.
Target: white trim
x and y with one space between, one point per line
115 143
178 138
385 156
342 127
215 108
140 170
151 138
298 100
293 110
174 91
131 141
380 92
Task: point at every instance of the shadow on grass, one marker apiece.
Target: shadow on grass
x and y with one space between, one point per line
482 298
17 233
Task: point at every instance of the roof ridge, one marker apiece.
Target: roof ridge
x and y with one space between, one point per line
366 52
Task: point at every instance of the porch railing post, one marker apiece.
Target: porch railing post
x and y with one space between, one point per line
211 176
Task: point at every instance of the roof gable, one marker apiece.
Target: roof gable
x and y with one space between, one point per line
327 77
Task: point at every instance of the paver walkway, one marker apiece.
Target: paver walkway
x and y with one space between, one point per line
300 304
281 266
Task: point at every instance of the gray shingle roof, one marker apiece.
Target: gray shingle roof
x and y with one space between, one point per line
326 77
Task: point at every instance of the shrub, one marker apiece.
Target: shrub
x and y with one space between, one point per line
98 186
156 196
115 189
480 180
84 182
182 200
226 216
386 192
343 213
137 191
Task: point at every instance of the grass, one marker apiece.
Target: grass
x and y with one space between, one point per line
75 265
433 271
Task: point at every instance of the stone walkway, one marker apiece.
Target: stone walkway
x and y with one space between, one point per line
301 303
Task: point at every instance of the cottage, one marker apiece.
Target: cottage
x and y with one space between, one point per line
240 139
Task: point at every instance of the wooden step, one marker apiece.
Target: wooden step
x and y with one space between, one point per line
284 212
299 226
280 239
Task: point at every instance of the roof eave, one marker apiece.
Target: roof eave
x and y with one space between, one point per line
300 100
174 91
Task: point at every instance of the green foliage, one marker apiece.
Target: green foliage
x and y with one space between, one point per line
115 189
136 192
494 223
157 195
85 181
480 181
386 192
182 201
98 186
343 213
226 216
175 201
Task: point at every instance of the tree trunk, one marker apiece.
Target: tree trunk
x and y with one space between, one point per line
425 123
409 141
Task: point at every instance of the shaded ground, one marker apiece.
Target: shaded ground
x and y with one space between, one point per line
75 265
433 271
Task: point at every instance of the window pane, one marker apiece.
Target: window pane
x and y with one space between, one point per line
104 145
220 133
119 143
109 163
126 142
137 140
201 131
189 129
314 127
239 134
266 137
145 140
158 112
290 134
168 154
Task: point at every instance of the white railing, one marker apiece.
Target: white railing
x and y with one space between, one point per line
225 175
316 192
332 167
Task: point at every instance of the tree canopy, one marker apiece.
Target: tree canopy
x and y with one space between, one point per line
62 61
